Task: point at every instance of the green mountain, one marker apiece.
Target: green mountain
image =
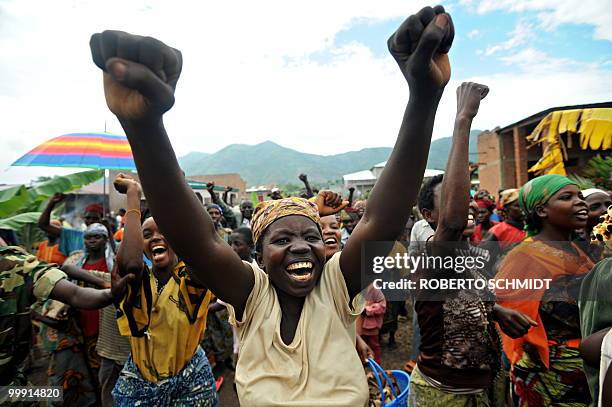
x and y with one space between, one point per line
269 163
440 149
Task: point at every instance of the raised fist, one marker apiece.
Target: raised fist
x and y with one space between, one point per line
469 95
140 74
210 186
123 183
420 47
329 203
228 189
303 177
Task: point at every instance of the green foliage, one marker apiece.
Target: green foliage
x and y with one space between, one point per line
13 199
42 178
17 222
582 182
21 199
20 206
599 171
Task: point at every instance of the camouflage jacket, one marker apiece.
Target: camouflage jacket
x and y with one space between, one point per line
23 280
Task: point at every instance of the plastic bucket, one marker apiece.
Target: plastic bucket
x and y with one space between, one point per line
403 381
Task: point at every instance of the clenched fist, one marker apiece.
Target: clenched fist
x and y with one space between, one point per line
469 95
420 47
329 202
140 74
123 183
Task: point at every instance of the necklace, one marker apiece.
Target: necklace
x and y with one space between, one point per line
160 286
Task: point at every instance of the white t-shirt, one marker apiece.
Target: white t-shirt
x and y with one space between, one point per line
320 367
420 233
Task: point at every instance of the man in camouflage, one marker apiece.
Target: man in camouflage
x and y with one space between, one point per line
24 280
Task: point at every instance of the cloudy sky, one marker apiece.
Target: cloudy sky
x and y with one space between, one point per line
314 76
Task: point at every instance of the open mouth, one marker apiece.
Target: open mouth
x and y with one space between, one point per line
470 221
582 214
331 241
158 252
300 271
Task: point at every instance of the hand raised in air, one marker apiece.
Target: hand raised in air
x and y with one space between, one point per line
420 47
329 203
124 182
140 74
469 95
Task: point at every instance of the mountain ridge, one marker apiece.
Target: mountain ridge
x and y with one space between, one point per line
268 163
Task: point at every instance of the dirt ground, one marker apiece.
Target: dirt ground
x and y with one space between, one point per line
392 358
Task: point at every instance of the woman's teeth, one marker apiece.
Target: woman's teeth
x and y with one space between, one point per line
300 265
300 271
582 214
331 240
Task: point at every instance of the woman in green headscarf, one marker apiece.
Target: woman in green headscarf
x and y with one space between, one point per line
546 364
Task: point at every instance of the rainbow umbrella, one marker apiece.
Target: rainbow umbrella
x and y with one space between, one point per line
82 150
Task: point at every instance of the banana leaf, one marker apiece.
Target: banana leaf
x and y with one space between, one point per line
13 199
21 199
65 183
16 222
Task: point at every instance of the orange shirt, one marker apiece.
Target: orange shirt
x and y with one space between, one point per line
507 234
118 236
50 254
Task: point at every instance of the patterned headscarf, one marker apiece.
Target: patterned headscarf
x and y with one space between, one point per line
508 196
269 211
603 231
537 192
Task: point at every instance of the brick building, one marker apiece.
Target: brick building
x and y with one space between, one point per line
504 158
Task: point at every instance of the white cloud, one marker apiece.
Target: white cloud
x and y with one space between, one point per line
247 76
531 59
540 82
520 35
552 13
473 34
516 96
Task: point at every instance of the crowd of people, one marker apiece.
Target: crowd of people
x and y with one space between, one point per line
153 311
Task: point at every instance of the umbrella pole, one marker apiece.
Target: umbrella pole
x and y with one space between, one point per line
104 196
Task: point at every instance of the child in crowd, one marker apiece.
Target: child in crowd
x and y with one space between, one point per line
371 319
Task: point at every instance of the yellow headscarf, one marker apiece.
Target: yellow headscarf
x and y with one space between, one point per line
508 196
269 211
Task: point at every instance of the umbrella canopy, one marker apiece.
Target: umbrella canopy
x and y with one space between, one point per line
82 150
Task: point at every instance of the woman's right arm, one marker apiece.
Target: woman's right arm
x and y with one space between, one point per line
140 76
129 256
